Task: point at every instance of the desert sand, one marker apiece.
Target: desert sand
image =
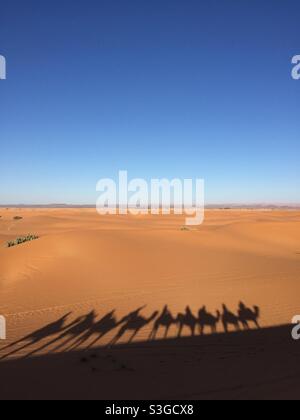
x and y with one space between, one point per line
85 268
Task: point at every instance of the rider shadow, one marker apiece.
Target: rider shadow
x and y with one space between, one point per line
78 327
134 322
187 319
100 328
165 320
245 316
206 319
84 324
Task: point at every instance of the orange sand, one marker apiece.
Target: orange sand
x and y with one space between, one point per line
85 262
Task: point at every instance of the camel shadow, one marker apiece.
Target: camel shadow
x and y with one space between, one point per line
134 322
206 319
74 330
187 319
165 320
88 331
247 315
243 317
100 328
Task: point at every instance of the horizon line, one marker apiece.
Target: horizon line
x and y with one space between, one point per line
224 206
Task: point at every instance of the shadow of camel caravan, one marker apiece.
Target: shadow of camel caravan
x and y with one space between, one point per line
66 335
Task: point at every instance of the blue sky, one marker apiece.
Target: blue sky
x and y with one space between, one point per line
161 88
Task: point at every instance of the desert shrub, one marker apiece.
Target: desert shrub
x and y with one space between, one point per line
18 218
21 240
184 228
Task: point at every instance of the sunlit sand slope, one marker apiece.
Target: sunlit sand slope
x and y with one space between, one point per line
84 262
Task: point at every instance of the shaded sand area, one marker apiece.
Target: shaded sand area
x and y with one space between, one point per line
260 364
75 287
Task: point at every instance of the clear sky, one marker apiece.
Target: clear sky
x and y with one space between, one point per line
161 88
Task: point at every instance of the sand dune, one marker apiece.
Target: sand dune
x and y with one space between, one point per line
84 262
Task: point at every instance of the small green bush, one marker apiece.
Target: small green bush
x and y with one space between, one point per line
21 240
184 228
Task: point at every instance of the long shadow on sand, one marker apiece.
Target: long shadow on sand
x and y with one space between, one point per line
88 331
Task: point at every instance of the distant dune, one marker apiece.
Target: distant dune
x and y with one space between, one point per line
221 206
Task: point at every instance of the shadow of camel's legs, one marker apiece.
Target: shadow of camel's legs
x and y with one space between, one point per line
118 336
93 343
78 342
19 349
46 345
9 346
134 335
153 333
245 325
167 332
61 345
180 330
